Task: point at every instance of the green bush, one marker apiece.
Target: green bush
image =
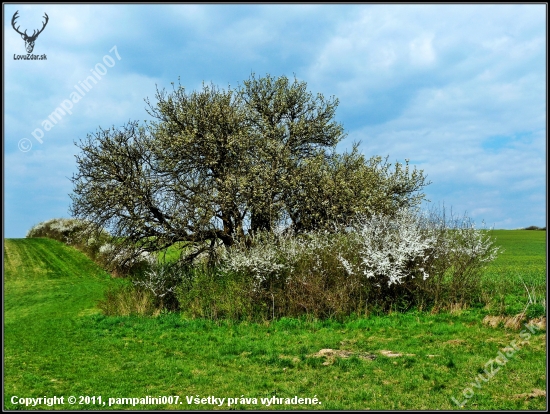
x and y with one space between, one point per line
127 299
535 310
297 275
375 264
211 293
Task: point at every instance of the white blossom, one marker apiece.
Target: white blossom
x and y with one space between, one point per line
388 245
106 249
159 279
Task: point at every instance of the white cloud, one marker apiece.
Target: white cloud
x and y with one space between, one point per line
421 50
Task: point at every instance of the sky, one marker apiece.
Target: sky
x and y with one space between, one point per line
458 90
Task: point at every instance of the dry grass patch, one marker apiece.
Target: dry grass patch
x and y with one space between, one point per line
457 308
539 322
514 322
332 354
390 354
493 321
535 394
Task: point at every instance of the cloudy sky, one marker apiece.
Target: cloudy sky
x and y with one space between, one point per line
460 90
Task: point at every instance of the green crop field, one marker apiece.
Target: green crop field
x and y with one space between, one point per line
524 253
57 343
520 268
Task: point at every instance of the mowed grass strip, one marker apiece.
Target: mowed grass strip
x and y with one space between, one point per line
56 343
44 277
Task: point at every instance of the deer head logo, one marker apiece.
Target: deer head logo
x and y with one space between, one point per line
29 40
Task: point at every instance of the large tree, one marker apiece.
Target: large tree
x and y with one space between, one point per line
290 126
217 165
328 190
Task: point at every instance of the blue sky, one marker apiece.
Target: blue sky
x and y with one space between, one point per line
460 90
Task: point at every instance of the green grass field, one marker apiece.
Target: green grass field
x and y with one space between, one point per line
522 265
56 343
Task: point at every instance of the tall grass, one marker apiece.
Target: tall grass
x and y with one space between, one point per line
128 300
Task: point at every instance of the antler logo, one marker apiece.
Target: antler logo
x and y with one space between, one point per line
29 40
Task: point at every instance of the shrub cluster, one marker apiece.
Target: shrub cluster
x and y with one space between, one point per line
68 231
375 264
123 261
535 228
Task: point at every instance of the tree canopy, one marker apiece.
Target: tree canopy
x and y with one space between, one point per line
219 165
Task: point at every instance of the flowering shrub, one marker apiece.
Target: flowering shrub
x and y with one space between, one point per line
462 251
161 279
74 232
409 258
106 249
270 257
64 230
122 260
394 247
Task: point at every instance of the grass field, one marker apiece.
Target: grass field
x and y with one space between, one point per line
522 265
56 343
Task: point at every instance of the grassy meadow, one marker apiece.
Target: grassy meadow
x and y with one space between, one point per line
57 343
521 267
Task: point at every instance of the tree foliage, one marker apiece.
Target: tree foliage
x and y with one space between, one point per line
219 165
